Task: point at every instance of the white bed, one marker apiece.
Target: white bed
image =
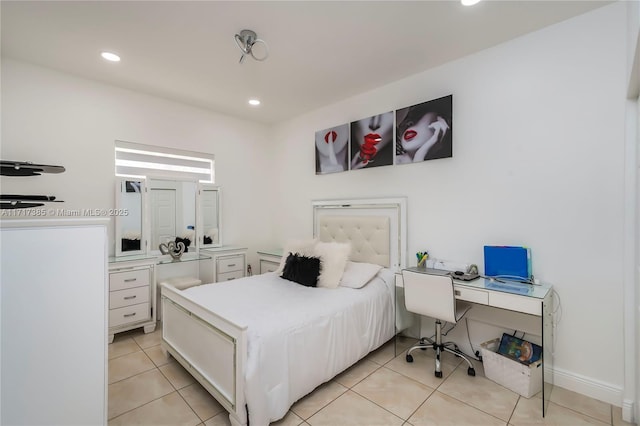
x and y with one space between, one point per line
260 343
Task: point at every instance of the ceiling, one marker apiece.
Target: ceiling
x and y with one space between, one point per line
320 51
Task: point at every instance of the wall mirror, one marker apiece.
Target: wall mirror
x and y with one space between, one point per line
172 213
209 209
130 225
175 199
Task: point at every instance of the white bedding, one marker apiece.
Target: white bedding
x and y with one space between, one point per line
299 337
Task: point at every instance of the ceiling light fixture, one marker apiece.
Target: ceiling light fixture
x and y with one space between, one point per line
469 2
110 56
246 40
254 102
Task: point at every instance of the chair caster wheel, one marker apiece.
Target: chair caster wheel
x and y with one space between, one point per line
409 358
438 374
471 371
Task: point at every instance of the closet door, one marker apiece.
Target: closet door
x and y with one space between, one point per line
53 322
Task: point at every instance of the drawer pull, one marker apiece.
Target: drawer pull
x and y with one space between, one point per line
457 292
129 315
128 280
231 264
130 297
229 279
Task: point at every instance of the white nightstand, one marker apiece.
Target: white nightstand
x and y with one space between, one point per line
227 263
269 260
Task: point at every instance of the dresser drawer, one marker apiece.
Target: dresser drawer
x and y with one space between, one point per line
229 276
130 296
230 263
128 279
472 295
129 314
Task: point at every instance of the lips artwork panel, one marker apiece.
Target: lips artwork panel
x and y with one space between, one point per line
372 141
332 150
425 131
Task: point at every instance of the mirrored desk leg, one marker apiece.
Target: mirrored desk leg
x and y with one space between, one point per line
407 325
547 351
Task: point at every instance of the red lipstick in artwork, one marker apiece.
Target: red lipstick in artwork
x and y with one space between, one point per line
368 150
330 136
410 134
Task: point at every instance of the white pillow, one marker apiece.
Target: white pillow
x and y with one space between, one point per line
357 274
302 247
333 259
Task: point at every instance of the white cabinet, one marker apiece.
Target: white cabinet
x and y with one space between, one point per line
227 263
54 322
131 295
269 260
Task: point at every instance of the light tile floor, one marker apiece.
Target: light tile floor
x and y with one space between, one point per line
148 387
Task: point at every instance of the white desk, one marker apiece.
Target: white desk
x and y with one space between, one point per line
529 299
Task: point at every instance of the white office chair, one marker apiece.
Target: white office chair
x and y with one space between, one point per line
433 296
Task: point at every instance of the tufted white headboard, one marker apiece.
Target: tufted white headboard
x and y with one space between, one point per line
376 228
368 235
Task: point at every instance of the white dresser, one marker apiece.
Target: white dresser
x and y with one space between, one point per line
132 296
54 322
227 263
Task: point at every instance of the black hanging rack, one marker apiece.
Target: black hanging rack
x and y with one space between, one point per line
25 168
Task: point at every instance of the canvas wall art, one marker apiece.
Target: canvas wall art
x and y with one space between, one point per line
424 131
372 141
332 150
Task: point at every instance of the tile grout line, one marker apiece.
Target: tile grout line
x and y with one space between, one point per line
176 390
138 373
410 378
582 414
514 409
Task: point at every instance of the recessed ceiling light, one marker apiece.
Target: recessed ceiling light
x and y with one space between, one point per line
469 2
254 102
110 56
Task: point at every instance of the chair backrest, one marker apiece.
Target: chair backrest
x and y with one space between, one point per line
430 295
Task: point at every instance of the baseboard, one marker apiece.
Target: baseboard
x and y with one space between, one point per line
592 388
627 411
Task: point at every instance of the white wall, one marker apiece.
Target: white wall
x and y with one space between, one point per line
55 118
538 161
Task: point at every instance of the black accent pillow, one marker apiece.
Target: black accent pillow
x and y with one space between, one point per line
302 269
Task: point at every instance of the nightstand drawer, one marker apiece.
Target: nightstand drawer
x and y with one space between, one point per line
229 276
130 296
267 266
128 279
230 263
129 314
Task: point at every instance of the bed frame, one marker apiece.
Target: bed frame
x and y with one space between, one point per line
214 350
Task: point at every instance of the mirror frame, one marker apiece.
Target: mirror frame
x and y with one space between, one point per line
195 246
200 216
120 181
